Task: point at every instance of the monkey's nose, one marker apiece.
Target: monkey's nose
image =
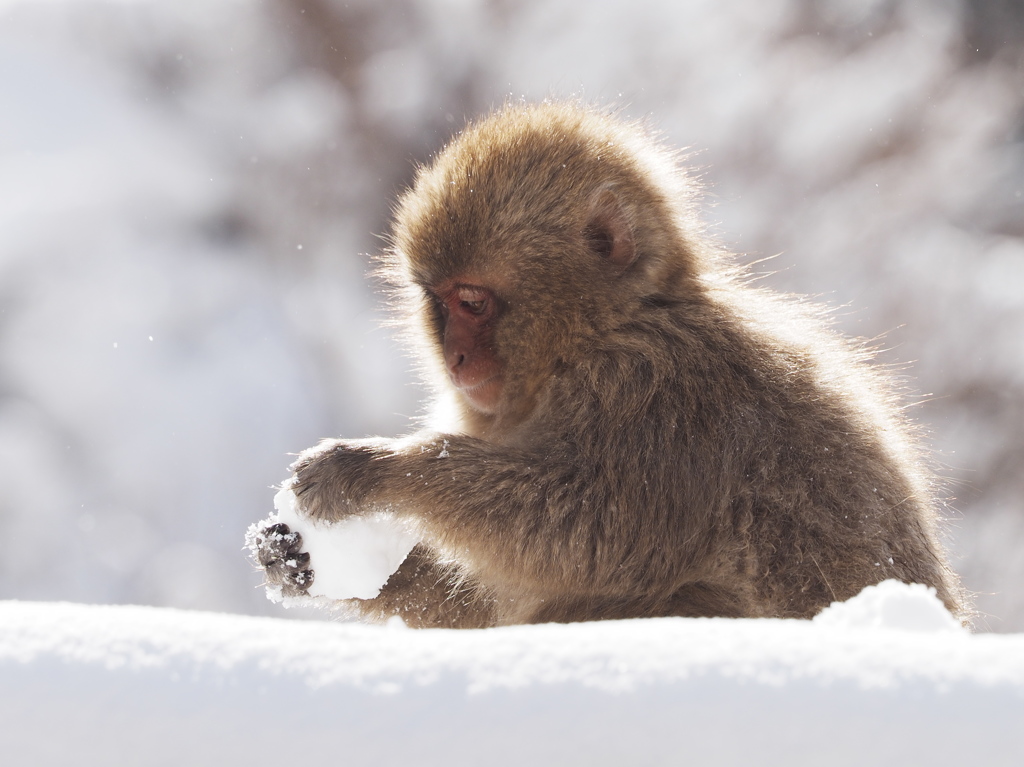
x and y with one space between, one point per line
455 361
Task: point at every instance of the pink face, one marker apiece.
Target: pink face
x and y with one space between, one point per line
470 313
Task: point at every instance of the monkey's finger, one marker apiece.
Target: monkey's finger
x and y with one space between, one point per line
277 542
283 570
297 583
280 567
279 529
267 558
293 543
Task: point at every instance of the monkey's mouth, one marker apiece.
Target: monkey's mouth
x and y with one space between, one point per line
483 395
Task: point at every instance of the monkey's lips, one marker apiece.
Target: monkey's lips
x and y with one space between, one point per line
481 395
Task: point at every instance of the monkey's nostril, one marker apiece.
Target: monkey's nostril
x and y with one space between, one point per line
455 361
455 369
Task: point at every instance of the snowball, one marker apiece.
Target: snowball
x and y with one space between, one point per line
891 604
350 559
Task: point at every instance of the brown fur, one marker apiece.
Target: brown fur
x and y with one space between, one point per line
668 440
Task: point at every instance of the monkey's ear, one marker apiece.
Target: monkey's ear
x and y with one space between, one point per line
607 232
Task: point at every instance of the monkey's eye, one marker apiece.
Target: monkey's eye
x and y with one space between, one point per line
474 307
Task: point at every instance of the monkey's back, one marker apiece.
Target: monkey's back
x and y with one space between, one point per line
772 471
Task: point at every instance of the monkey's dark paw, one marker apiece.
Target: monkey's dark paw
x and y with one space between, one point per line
279 552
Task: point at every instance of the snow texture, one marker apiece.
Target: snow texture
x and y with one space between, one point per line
350 559
104 685
891 604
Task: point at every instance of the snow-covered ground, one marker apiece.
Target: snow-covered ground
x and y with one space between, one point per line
888 679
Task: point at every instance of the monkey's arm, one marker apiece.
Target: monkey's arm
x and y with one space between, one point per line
536 518
426 594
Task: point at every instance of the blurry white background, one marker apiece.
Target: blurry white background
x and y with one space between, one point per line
188 192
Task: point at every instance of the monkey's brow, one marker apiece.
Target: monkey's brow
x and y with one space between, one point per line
424 281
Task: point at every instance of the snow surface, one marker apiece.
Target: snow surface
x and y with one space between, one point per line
891 604
104 685
350 559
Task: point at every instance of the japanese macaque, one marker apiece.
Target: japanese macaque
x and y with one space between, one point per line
622 426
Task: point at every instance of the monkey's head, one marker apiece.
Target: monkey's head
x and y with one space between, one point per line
533 235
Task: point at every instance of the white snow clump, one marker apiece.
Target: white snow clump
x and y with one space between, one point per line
351 559
894 605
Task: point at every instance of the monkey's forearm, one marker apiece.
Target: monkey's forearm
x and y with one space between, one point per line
510 510
426 594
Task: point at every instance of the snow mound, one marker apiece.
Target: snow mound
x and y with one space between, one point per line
891 605
351 559
100 685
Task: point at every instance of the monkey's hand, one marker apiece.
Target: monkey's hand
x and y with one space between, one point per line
279 552
333 480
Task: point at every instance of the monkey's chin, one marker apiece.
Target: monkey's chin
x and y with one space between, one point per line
483 396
